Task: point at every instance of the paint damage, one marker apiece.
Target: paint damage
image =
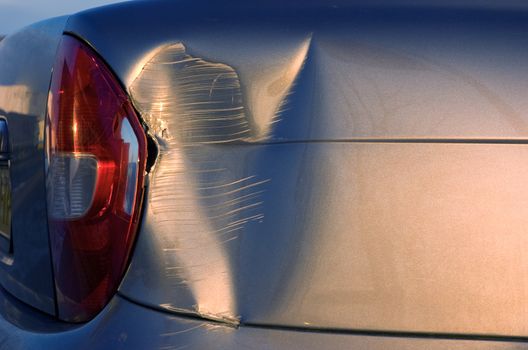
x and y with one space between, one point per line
196 205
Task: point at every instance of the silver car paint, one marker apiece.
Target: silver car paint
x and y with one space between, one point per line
371 165
126 325
26 59
378 183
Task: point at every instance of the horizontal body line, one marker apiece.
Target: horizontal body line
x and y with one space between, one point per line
392 334
397 140
359 332
186 314
483 141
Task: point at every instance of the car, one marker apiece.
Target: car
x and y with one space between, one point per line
266 175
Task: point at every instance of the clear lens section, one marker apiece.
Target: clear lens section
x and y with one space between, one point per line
71 185
130 145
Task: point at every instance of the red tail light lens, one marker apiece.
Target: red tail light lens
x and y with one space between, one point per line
96 150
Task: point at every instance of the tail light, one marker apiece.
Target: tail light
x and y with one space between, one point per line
96 150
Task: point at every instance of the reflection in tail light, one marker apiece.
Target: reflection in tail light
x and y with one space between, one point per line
96 150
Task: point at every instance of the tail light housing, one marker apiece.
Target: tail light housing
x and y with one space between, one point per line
96 153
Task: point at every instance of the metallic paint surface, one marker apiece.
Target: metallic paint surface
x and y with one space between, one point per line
335 167
125 325
370 145
392 237
390 71
26 59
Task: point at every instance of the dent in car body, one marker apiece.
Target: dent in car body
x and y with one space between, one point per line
392 193
189 103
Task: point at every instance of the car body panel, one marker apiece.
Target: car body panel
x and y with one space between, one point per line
349 166
379 71
401 237
336 174
26 60
126 325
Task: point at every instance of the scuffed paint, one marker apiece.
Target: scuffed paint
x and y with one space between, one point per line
195 204
186 100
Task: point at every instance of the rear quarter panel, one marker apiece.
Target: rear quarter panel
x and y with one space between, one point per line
381 146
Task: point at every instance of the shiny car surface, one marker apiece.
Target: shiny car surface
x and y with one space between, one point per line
268 175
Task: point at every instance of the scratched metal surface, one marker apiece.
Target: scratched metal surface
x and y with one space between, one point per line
315 167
